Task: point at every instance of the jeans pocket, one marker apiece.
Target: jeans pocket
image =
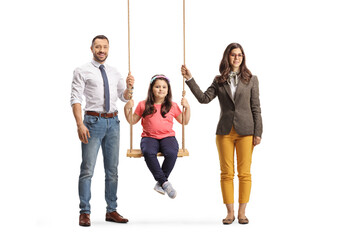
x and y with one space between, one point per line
91 120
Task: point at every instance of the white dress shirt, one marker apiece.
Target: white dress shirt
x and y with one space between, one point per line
233 84
88 82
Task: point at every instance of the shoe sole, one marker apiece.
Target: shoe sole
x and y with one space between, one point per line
110 220
84 225
162 193
227 223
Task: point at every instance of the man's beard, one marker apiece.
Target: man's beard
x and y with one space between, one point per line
98 59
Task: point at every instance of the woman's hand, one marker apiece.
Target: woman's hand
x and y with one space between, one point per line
257 140
185 72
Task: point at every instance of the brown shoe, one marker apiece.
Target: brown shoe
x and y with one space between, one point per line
84 220
115 217
228 221
243 220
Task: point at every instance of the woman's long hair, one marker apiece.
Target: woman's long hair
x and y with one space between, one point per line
225 68
149 104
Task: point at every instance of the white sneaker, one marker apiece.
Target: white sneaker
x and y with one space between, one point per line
159 189
171 192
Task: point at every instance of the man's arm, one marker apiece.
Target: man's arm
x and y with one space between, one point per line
83 132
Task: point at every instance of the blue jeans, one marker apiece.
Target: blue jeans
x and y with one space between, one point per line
169 148
104 132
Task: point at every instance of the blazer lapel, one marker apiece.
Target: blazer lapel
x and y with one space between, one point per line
238 89
228 91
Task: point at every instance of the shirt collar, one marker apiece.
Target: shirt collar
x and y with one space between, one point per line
96 64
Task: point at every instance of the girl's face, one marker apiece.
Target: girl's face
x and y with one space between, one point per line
160 89
235 59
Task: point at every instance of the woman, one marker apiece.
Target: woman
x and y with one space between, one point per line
239 127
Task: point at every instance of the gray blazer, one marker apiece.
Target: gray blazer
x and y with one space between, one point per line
243 112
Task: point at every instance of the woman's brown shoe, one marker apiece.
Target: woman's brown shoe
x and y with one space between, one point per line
243 220
227 221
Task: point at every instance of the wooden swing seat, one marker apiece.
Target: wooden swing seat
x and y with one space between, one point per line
136 153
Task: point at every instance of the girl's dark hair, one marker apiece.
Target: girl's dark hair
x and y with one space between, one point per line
225 68
149 104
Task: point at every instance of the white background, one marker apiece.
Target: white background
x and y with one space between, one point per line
305 172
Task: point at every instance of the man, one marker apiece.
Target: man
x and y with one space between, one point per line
101 85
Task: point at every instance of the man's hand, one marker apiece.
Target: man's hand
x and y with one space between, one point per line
83 133
130 80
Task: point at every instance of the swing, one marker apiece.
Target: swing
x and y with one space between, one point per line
136 153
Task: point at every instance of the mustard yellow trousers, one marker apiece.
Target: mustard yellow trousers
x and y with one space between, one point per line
226 145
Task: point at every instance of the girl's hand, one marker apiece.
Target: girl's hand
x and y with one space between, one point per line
129 104
185 72
185 103
257 140
185 116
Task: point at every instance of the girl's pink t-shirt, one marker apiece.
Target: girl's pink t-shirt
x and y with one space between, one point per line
154 125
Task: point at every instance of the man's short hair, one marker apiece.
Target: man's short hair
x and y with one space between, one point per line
99 37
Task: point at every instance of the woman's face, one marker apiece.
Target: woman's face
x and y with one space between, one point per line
235 59
160 89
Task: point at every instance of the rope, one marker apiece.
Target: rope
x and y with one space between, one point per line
131 119
183 92
128 7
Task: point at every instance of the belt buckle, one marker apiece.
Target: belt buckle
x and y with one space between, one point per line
109 115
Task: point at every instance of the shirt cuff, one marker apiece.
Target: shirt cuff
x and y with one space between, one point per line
72 102
122 98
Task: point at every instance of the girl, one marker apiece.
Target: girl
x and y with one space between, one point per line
156 114
239 127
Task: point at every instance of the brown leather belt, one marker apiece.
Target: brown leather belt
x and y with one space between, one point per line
104 115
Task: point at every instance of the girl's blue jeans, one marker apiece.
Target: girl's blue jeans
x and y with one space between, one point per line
169 147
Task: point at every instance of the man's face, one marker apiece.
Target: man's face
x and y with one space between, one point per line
100 50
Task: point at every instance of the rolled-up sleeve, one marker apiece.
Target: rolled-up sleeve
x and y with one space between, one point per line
121 88
77 87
